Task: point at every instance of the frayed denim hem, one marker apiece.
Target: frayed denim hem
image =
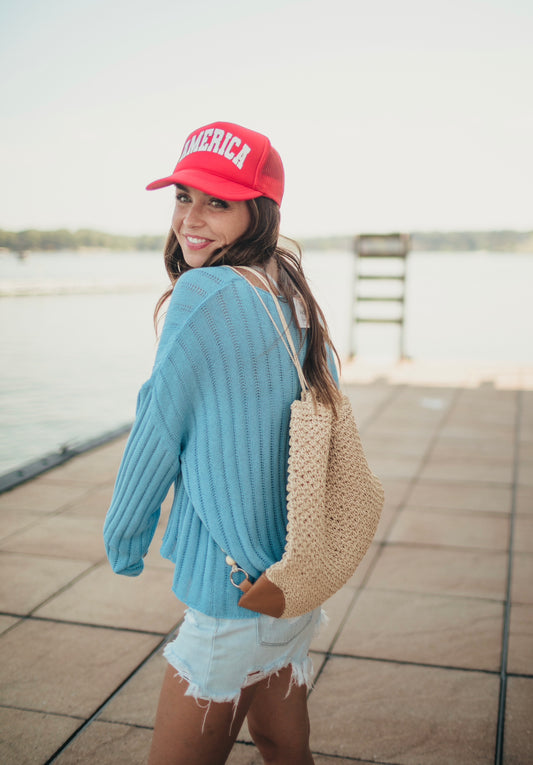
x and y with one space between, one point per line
202 690
302 674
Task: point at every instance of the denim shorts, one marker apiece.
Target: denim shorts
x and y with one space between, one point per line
219 657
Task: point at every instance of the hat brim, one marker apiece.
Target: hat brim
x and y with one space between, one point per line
209 183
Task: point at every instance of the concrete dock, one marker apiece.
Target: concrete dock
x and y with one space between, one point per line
428 655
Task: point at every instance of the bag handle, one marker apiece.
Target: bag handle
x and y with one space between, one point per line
285 336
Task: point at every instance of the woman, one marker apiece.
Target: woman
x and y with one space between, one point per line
213 421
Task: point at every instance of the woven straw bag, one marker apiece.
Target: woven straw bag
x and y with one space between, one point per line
334 504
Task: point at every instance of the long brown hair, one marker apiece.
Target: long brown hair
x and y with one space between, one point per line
258 244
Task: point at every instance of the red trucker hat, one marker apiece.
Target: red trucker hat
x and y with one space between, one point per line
230 162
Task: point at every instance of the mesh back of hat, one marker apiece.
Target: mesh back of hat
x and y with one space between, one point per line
273 174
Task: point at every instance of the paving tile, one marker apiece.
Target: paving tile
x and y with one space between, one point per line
396 491
404 714
484 418
391 466
447 447
319 760
415 405
362 571
113 744
120 744
335 609
461 427
12 520
411 403
526 447
6 622
524 499
64 668
108 744
136 703
318 660
460 496
523 533
522 578
365 401
375 445
525 472
442 571
102 597
520 659
485 407
41 496
97 466
487 470
486 403
403 426
247 754
518 732
388 515
31 738
527 395
27 580
95 503
62 537
427 629
403 417
451 529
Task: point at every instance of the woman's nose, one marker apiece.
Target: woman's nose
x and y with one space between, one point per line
193 215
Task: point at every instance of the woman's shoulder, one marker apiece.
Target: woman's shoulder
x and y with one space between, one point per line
204 281
200 283
211 296
197 285
197 289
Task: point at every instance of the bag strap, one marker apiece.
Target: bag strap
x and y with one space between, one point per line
286 336
236 571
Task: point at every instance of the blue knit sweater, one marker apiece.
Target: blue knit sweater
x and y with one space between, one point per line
212 420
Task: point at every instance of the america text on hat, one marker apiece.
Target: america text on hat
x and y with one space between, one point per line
219 141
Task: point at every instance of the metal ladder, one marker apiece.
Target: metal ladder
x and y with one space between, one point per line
372 249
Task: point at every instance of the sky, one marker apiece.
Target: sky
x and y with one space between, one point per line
390 115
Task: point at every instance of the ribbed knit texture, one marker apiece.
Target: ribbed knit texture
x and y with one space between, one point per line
213 420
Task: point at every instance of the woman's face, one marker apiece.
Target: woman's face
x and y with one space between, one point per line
203 223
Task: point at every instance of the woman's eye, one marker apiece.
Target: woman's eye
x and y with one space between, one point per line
181 197
219 203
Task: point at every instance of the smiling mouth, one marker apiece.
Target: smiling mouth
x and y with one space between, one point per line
197 242
196 239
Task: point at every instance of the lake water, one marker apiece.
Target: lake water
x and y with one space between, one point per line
77 338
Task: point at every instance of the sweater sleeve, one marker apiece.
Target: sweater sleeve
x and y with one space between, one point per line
151 460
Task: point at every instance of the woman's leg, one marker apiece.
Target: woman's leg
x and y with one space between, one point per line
279 724
188 733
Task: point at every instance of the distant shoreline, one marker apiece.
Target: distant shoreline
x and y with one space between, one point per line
441 241
33 240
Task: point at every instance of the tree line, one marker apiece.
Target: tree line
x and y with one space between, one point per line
63 239
425 241
492 241
442 241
